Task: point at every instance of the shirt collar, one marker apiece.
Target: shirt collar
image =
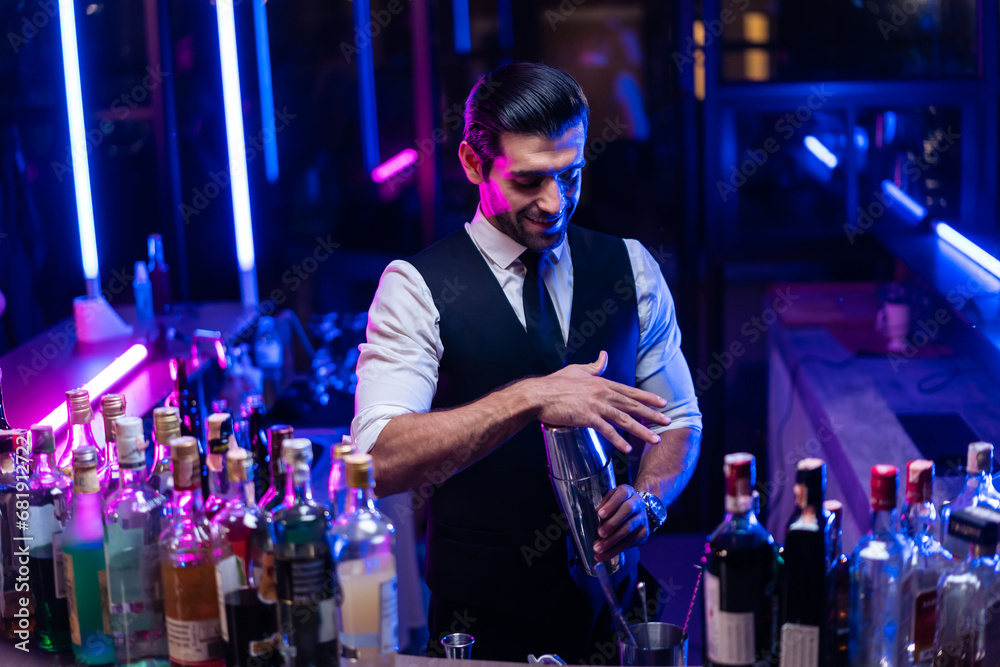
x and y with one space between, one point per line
499 248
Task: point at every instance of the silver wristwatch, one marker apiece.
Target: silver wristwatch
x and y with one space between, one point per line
655 510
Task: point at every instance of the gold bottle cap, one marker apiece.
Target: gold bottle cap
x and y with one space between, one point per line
220 431
345 448
78 405
166 424
43 439
297 450
112 407
131 442
238 464
186 463
85 470
359 471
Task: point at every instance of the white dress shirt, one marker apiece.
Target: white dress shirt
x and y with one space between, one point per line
398 366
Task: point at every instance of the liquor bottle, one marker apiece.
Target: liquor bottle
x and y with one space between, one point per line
13 492
362 541
838 592
926 561
220 433
876 568
189 548
252 411
4 424
806 562
112 407
978 490
81 433
965 591
338 475
305 586
49 494
275 494
142 292
159 273
132 525
245 573
740 601
166 427
83 560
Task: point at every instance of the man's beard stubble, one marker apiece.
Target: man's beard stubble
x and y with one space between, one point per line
511 226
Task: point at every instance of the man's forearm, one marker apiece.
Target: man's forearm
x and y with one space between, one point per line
414 448
667 467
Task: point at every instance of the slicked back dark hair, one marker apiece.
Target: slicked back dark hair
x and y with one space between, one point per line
521 98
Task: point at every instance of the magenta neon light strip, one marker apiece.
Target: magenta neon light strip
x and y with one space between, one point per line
394 165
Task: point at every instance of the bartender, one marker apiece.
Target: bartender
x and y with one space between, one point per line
516 319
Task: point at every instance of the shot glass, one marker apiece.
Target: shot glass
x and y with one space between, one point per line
458 646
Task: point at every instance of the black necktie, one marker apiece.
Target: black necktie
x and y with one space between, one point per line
540 314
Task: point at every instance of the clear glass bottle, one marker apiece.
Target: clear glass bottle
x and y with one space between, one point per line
189 548
876 569
112 407
49 495
978 490
159 274
363 546
275 495
81 433
220 434
338 475
740 577
84 563
306 587
13 490
132 525
926 561
252 411
245 572
965 590
806 561
166 427
839 591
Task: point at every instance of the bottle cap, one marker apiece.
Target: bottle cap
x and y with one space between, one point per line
166 424
976 525
919 481
131 442
85 457
979 458
276 436
345 448
238 465
186 463
220 431
741 474
112 407
884 484
358 468
810 482
43 440
78 405
836 508
297 451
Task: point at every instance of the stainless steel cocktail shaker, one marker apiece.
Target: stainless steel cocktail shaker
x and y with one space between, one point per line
581 475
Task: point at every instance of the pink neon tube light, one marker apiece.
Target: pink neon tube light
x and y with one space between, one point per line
394 165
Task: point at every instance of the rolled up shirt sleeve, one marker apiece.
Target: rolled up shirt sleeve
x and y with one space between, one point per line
660 365
398 366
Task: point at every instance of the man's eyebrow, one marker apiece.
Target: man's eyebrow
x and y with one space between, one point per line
546 172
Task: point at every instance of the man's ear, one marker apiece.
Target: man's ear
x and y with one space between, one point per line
471 163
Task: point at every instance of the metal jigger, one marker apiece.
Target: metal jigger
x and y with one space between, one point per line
581 475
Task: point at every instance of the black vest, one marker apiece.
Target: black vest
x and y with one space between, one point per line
496 536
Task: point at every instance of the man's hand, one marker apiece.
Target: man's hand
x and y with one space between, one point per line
624 523
577 395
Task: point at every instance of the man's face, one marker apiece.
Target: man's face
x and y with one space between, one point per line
534 186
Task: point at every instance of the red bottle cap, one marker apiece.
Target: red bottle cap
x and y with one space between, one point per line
741 474
884 483
919 481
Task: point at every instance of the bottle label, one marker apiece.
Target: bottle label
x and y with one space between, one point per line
327 620
136 566
194 642
303 581
389 630
58 566
85 481
228 578
924 624
41 524
74 619
799 645
730 635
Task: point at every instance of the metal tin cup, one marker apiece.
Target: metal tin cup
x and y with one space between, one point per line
656 644
458 646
